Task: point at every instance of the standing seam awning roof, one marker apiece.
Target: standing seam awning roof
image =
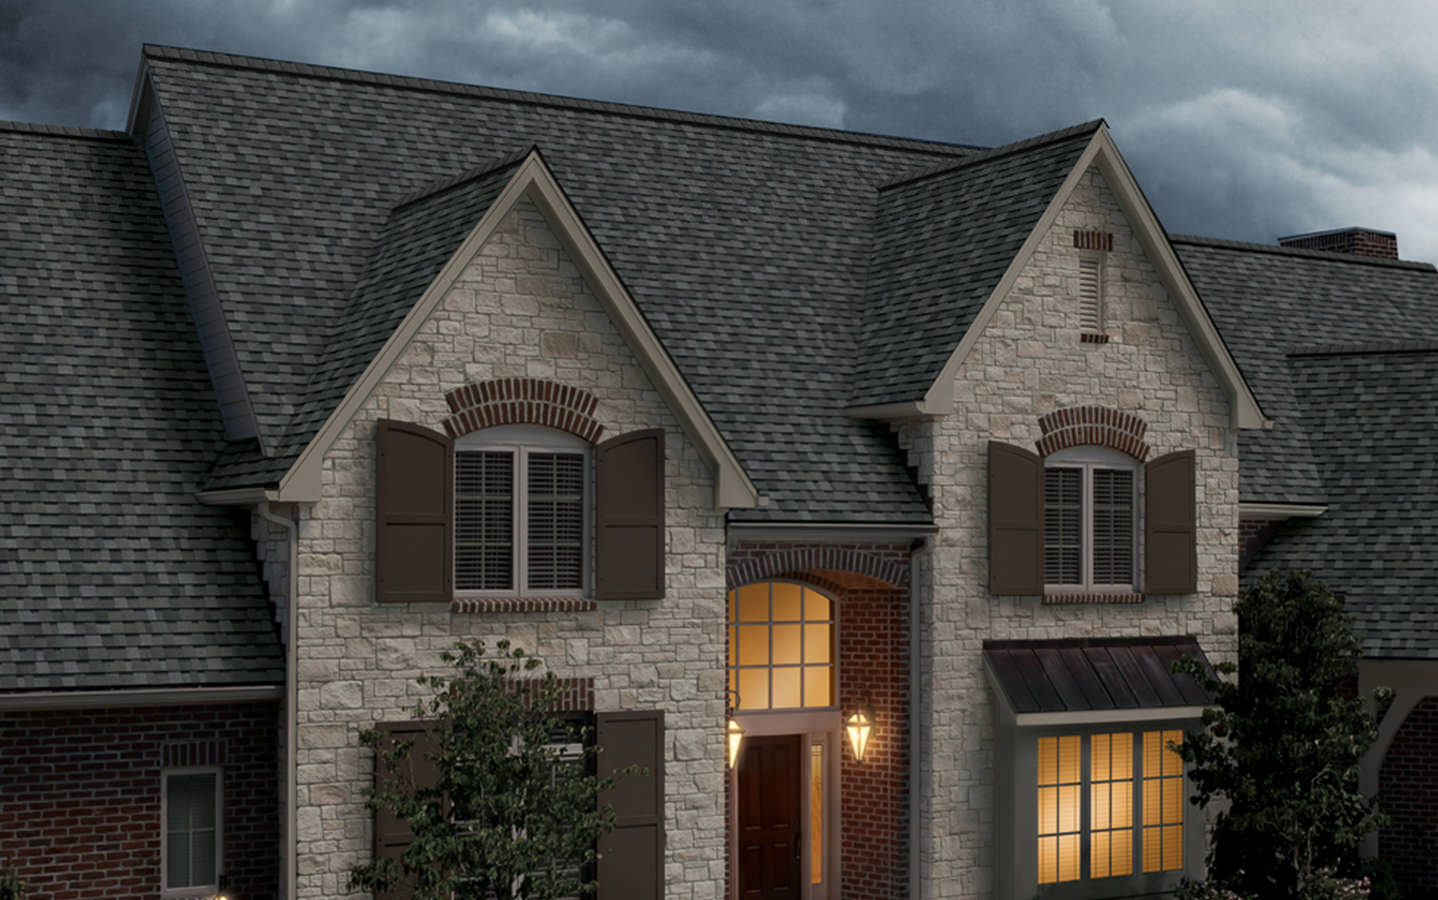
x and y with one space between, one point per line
1088 674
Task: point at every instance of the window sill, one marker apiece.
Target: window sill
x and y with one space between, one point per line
1069 598
518 604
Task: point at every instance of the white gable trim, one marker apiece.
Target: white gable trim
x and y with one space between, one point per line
733 488
1101 151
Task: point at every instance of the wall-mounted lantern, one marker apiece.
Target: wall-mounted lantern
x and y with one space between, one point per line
860 725
735 733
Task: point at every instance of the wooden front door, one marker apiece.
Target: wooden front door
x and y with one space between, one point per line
770 825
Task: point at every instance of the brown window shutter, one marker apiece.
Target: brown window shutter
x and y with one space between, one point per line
391 833
631 857
1170 525
629 517
1016 520
414 510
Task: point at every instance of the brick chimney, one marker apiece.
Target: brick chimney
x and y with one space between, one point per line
1357 241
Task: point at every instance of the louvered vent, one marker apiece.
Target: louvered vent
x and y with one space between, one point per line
484 521
1089 300
1063 526
1112 526
556 521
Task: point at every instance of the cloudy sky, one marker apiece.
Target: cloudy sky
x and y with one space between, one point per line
1245 120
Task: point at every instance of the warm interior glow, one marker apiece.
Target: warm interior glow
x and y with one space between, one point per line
781 653
860 726
1059 795
1110 805
1162 802
736 737
816 813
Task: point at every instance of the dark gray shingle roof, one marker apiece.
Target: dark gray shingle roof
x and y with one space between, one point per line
745 244
1372 424
111 575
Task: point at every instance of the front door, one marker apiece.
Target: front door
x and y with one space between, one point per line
770 819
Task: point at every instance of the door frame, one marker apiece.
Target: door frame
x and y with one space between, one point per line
812 727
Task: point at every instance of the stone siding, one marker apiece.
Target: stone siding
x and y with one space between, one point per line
1030 361
520 309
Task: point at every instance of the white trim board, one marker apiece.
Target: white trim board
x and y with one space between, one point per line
139 697
533 180
1271 511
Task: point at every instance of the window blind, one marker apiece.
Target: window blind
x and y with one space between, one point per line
1112 526
1063 526
484 520
555 534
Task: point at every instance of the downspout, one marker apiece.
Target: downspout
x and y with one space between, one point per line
916 742
291 526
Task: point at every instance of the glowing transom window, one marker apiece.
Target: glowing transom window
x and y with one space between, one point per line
781 646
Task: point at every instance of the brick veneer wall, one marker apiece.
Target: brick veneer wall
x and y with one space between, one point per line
873 658
80 796
1408 793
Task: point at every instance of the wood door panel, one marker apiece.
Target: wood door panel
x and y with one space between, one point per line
770 820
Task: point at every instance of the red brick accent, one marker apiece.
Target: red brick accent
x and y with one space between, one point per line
872 608
1093 426
1408 793
1064 598
521 605
522 401
575 694
80 795
1253 536
1089 337
1354 241
1093 240
853 564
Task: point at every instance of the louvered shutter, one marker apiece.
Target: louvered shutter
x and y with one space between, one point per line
631 857
392 834
1170 525
1063 525
1113 527
629 516
414 508
484 520
1016 517
556 520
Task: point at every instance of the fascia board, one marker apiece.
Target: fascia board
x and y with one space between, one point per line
236 496
1106 716
830 532
139 697
1103 152
1270 511
302 483
1246 411
940 395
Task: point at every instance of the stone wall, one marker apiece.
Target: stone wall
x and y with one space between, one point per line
1028 362
520 308
80 795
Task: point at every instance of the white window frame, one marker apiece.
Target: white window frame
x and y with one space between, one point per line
520 440
206 890
1087 459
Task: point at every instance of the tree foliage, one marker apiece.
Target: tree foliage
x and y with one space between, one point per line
1279 755
509 817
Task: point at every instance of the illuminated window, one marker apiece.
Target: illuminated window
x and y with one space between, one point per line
781 646
1059 797
816 813
1162 802
1097 840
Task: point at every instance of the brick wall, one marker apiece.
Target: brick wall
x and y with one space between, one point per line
80 796
1408 793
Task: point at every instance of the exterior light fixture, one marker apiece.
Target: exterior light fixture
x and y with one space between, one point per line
735 733
860 725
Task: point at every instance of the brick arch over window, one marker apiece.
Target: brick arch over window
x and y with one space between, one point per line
522 401
821 564
1092 426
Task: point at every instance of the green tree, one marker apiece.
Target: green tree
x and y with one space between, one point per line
508 816
1280 750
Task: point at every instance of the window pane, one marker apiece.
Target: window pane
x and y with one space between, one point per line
1048 860
1172 847
484 521
1098 855
1063 525
816 643
816 606
1099 754
177 863
733 645
786 688
1122 805
818 686
1113 526
816 813
190 829
1069 808
1172 762
1068 857
1099 798
787 602
556 520
753 645
1069 759
1121 858
1048 761
1048 810
202 869
754 603
1110 804
754 688
786 645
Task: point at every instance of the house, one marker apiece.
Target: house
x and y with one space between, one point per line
312 372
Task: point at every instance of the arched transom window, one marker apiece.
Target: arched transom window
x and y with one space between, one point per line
781 647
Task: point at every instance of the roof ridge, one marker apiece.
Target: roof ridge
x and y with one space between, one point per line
1280 250
63 130
1363 348
814 132
465 175
999 152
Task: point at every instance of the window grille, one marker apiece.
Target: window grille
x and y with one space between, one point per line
484 520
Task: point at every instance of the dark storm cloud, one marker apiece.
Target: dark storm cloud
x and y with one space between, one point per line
1240 120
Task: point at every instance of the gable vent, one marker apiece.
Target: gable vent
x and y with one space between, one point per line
1093 240
1089 301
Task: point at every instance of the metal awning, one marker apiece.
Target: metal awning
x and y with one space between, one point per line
1094 680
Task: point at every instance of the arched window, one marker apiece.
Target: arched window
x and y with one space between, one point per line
781 647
